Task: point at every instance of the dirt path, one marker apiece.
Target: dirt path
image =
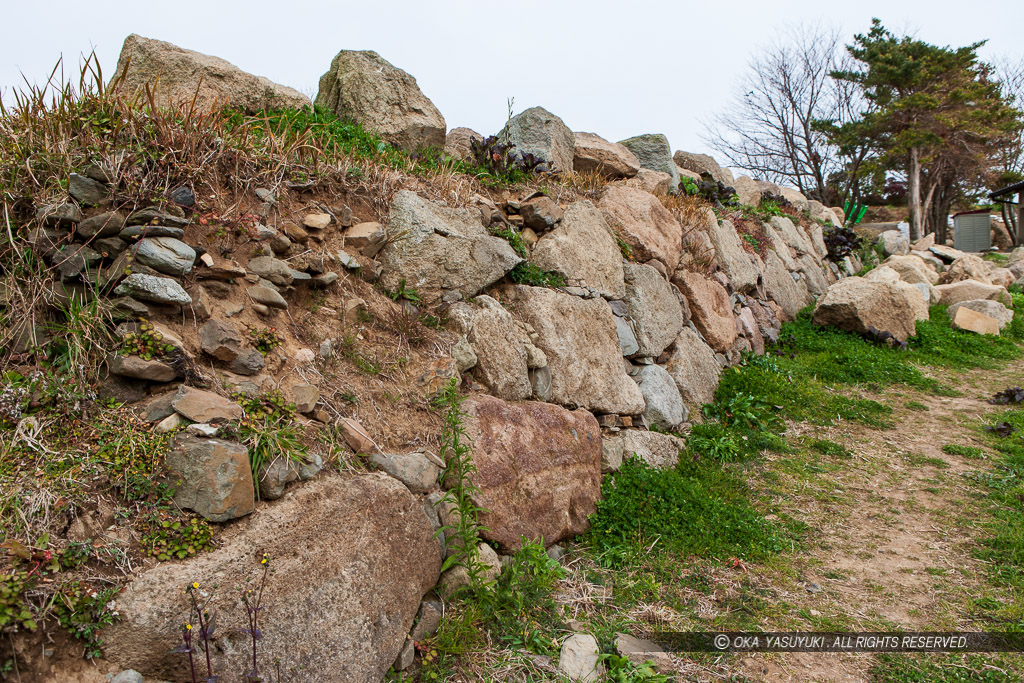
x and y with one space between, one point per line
891 543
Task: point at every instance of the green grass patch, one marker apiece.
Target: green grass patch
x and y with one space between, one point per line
971 452
696 508
1003 548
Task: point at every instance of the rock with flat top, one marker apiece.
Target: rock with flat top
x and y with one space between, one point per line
594 154
179 75
973 321
205 406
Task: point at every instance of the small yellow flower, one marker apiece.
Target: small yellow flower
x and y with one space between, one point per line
188 627
195 585
266 558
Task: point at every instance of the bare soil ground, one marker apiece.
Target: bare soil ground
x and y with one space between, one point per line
891 534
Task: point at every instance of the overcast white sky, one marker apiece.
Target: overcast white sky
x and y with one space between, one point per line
616 68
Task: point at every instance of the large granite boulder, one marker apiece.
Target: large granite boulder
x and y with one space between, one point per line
440 249
643 223
181 75
696 371
583 249
664 409
364 87
743 268
538 469
709 307
499 344
702 163
578 338
653 151
788 292
653 309
610 159
539 132
893 242
856 304
970 290
352 559
912 269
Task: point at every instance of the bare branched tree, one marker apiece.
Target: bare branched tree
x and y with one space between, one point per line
771 128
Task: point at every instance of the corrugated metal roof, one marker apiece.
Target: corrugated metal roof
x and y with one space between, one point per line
1009 189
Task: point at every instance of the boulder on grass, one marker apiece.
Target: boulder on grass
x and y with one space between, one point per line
973 321
181 74
969 290
993 309
364 87
856 305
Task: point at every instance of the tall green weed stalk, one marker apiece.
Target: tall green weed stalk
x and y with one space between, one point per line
457 453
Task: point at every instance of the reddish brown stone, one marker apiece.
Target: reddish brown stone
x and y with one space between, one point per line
538 469
709 306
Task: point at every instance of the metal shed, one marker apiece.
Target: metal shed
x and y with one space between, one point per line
972 230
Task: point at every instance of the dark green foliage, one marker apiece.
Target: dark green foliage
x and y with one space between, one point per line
712 190
528 273
498 159
842 241
512 236
522 608
695 507
1003 549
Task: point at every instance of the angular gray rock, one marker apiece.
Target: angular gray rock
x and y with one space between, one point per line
694 368
654 448
743 268
220 340
161 290
165 255
627 338
264 293
86 190
184 74
653 151
582 348
270 268
412 469
702 163
791 295
500 346
653 309
665 409
583 249
441 249
537 131
363 86
211 477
